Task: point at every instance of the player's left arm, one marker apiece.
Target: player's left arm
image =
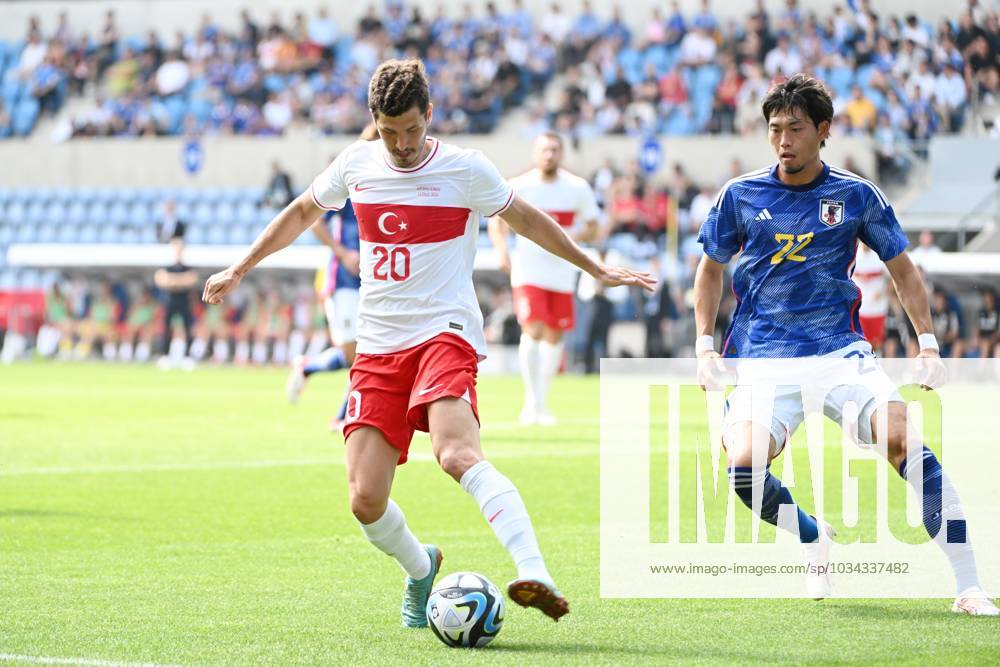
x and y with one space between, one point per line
531 223
913 296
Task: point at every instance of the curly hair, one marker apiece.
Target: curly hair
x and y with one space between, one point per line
799 93
397 86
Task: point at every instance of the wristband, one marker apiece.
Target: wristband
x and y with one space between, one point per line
928 341
704 344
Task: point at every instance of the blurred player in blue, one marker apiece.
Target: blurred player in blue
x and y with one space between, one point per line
796 226
338 230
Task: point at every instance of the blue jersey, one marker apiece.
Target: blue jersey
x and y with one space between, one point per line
793 279
344 228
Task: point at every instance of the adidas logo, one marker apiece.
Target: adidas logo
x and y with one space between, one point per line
764 215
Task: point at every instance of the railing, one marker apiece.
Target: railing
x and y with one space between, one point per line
978 211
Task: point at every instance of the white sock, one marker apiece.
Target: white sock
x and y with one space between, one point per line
549 360
260 352
504 510
527 353
176 349
142 351
109 351
125 351
280 352
391 535
296 343
242 352
220 350
198 348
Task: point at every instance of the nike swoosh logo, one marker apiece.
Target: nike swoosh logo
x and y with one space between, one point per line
358 188
495 515
428 390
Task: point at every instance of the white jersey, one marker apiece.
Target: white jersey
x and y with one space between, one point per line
870 277
570 201
418 230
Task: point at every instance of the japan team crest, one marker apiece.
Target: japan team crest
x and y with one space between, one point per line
831 213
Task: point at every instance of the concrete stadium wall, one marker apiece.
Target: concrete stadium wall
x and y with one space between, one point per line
167 16
239 161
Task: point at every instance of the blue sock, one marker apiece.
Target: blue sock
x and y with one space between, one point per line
330 359
774 495
941 503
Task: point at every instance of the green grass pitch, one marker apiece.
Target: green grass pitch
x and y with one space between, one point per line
197 519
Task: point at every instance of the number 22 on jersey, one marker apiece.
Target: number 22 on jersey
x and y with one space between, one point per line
791 245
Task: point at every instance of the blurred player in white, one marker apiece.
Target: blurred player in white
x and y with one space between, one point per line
420 330
872 278
543 284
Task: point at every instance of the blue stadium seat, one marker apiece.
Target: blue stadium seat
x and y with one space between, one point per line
16 212
108 233
56 210
76 212
8 279
128 235
203 214
217 234
25 232
141 214
118 213
24 116
246 213
147 235
82 234
225 214
196 235
6 235
46 233
239 235
97 213
35 212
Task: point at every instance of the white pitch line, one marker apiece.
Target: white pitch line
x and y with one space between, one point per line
88 662
292 463
249 465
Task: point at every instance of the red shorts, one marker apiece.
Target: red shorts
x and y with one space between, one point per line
391 391
874 329
536 304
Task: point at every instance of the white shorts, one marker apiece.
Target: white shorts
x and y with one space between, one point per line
342 315
848 375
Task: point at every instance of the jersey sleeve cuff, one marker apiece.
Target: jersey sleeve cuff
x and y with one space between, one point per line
503 208
312 193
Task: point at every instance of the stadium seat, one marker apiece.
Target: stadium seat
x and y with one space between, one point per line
56 210
147 235
76 212
8 279
24 116
6 235
108 233
246 213
16 212
46 233
225 214
81 234
25 232
203 214
118 213
97 213
34 212
217 234
196 235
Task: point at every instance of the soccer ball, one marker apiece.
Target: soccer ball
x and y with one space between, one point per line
465 609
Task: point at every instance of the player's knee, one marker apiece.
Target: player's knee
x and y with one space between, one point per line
456 455
366 504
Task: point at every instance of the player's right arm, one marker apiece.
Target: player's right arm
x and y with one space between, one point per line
280 233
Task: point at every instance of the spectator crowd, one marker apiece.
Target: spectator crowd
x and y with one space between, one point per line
900 79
